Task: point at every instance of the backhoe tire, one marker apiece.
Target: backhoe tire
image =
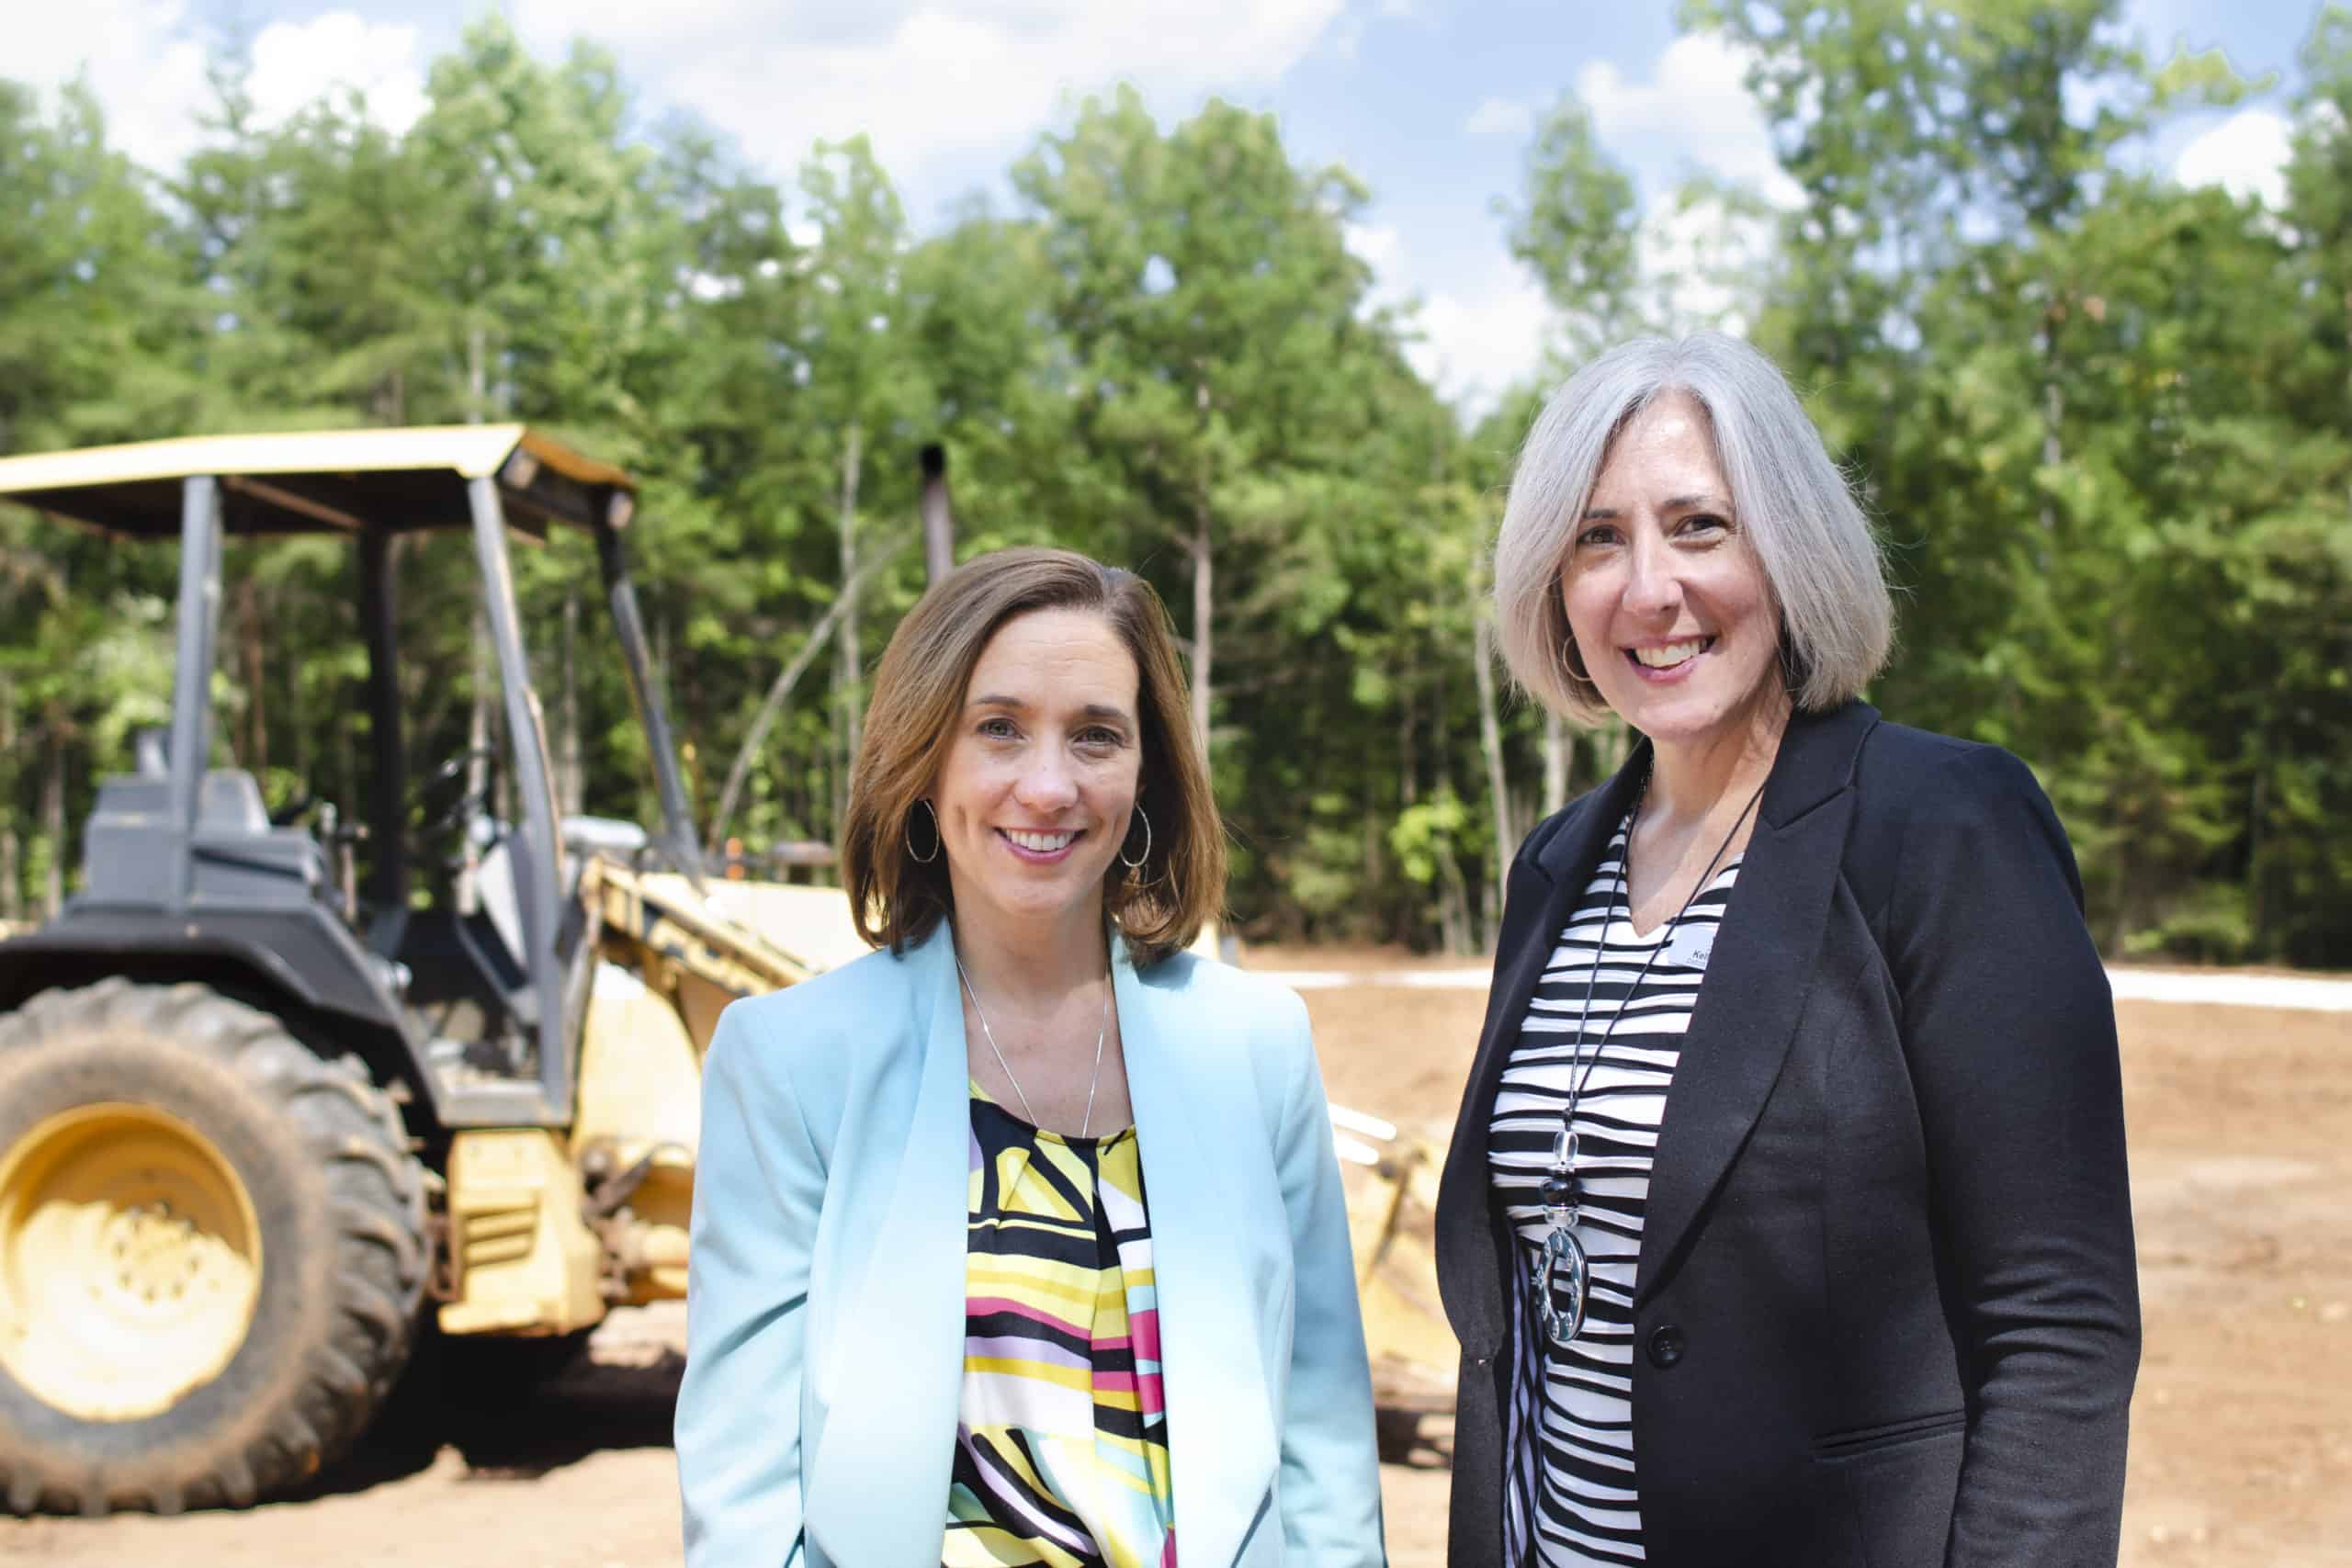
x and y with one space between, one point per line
212 1251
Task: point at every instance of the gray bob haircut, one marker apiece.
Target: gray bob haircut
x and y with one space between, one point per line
1795 508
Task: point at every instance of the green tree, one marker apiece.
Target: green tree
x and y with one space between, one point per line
1212 311
96 320
1577 228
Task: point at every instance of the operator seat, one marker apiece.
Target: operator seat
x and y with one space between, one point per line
132 847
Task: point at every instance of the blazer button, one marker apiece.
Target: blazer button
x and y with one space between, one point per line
1666 1346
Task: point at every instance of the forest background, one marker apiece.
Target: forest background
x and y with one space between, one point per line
2103 421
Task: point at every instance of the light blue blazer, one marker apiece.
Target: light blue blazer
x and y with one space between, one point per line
817 1420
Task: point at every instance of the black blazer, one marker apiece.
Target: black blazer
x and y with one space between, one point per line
1886 1311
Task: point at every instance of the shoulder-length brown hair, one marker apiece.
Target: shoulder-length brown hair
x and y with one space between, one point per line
919 692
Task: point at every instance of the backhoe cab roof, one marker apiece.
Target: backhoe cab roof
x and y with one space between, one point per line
325 480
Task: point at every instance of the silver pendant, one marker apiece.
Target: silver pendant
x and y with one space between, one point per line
1562 1252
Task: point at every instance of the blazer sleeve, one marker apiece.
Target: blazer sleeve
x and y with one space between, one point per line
2009 1033
1330 1457
758 1184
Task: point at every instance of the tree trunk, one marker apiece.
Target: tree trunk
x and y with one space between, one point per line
2054 452
11 847
477 374
829 792
1204 600
476 762
1455 932
253 746
299 739
938 517
1409 757
346 776
1402 920
1203 570
571 787
2257 806
846 673
1557 745
773 704
478 715
1490 741
52 820
1454 909
2053 411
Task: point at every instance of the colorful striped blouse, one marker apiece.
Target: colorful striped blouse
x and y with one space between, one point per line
1061 1447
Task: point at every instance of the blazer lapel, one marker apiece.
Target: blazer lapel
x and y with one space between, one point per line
878 1483
1220 1426
1756 977
1536 903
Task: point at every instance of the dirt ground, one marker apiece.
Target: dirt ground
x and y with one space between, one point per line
2242 1433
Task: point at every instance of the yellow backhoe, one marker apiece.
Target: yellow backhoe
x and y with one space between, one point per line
265 1126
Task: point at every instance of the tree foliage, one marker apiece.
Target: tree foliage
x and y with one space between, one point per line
2105 424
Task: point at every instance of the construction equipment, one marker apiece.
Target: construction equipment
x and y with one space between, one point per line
264 1127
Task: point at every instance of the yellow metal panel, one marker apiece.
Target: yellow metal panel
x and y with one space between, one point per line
652 1246
472 451
1390 1182
572 465
468 452
811 923
690 951
641 1081
524 1261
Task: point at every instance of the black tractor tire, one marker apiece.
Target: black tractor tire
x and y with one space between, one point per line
339 1205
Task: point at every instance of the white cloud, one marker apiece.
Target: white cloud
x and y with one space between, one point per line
1375 244
1500 117
1699 262
926 77
1471 333
140 57
2246 155
293 64
1693 108
1475 347
1345 37
146 61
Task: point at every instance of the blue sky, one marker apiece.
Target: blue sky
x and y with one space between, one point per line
1430 102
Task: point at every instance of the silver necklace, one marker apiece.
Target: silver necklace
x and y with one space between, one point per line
989 1034
1563 1250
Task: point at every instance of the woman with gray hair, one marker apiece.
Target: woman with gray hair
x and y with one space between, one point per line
1786 1219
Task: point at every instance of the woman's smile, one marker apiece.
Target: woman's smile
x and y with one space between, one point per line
1662 663
1040 848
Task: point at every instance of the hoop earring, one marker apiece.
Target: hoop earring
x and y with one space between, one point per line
1572 661
938 841
1796 669
1137 864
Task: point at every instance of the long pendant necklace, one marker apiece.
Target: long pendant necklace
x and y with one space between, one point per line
1100 1035
1562 1267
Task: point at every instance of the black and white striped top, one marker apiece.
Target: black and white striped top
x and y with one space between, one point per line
1571 1496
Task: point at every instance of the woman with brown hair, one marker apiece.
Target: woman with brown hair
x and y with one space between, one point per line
1021 1240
